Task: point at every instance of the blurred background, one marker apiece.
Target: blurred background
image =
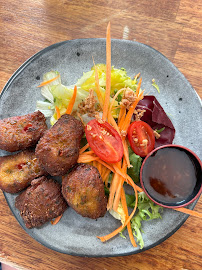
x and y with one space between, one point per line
170 26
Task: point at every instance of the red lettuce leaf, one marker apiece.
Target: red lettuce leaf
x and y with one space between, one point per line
156 117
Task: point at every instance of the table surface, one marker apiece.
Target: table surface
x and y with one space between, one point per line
174 27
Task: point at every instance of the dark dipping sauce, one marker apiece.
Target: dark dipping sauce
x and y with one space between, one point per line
170 176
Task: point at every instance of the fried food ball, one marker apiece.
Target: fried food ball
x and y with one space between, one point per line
40 202
83 189
58 149
18 170
21 132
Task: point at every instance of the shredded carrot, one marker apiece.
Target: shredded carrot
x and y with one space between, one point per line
108 73
112 122
114 233
72 101
106 165
115 168
112 190
87 159
84 148
122 119
126 153
99 167
125 209
57 219
126 176
122 114
106 177
49 81
90 152
119 187
57 112
105 173
189 212
114 98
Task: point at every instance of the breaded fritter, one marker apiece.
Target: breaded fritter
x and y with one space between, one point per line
58 149
40 202
83 190
18 170
21 132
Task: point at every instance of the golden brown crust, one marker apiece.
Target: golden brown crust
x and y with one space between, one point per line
58 149
41 202
17 171
83 190
21 132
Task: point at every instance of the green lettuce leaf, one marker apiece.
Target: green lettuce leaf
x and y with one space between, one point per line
136 162
146 210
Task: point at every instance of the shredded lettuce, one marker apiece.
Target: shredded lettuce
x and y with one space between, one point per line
57 94
146 210
119 79
119 214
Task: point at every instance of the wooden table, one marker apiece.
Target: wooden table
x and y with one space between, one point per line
174 27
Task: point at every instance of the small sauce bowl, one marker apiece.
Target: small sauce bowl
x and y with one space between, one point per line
171 176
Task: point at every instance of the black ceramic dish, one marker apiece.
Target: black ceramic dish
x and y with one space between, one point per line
74 234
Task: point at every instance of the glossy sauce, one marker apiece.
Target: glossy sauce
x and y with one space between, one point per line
170 175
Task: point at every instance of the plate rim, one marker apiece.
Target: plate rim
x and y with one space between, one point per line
47 245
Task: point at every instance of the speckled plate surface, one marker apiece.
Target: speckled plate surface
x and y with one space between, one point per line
74 234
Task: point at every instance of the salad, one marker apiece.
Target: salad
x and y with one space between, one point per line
122 125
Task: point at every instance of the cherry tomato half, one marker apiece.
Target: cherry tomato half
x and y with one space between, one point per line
104 141
141 138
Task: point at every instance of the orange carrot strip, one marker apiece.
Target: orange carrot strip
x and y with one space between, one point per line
113 122
99 167
112 190
122 119
119 171
106 165
84 148
103 170
125 209
114 98
126 176
189 212
90 152
108 73
57 112
119 186
94 163
106 177
57 219
49 81
72 101
122 114
86 159
126 153
114 233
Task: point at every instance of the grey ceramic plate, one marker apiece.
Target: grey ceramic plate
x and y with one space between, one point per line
74 234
